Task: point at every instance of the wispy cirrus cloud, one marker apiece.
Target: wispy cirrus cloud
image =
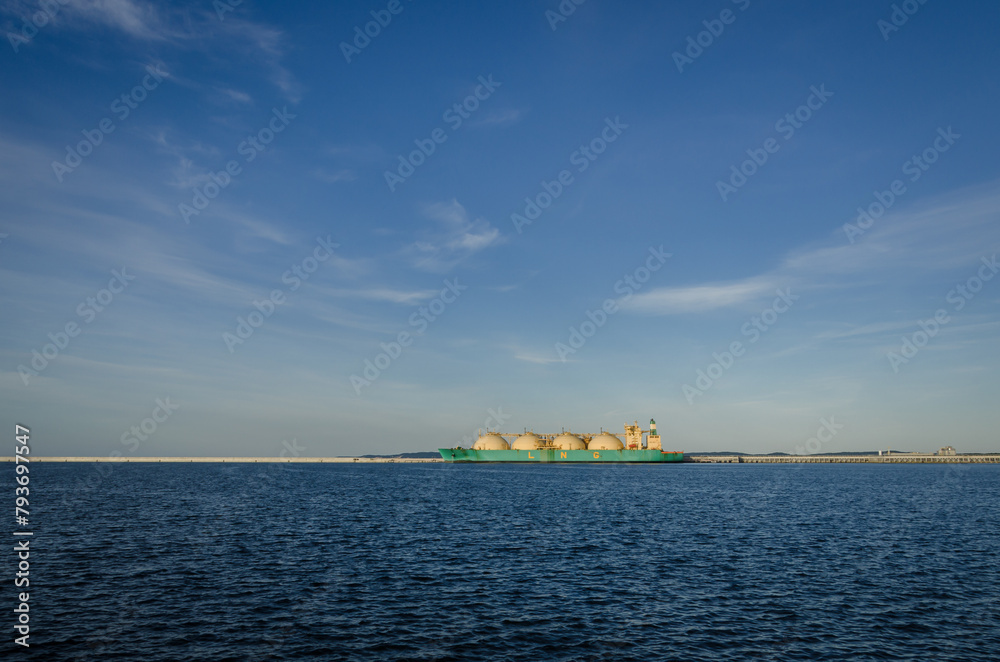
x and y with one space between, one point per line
942 233
184 29
699 298
236 95
539 359
137 19
335 176
383 294
255 228
501 117
946 232
264 44
456 237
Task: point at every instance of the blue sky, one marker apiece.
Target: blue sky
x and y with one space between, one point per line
598 118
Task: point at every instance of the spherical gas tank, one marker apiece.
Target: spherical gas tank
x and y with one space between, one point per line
569 442
491 442
526 442
605 442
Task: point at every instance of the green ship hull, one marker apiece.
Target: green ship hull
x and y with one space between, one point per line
553 455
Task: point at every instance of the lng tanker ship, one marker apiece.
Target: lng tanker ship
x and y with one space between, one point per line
566 447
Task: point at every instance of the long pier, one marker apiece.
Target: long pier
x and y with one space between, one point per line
901 458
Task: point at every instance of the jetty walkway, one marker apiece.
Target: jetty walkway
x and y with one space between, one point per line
901 458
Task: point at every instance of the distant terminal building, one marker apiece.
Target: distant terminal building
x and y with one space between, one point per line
947 450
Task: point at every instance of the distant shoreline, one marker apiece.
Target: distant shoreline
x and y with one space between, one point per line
692 458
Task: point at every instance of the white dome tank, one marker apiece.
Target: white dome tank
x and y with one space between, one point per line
526 442
569 442
605 442
491 442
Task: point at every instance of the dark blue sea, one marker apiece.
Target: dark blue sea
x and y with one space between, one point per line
168 562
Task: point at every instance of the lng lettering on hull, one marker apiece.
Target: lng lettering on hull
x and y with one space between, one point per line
566 447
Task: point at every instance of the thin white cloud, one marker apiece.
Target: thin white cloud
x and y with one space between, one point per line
943 233
458 238
137 19
700 298
335 177
159 253
505 288
148 254
187 30
386 294
264 44
254 228
501 117
183 273
851 331
236 95
539 359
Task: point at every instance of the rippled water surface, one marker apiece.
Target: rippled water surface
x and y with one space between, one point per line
434 562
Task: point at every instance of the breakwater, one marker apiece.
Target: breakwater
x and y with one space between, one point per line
902 458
